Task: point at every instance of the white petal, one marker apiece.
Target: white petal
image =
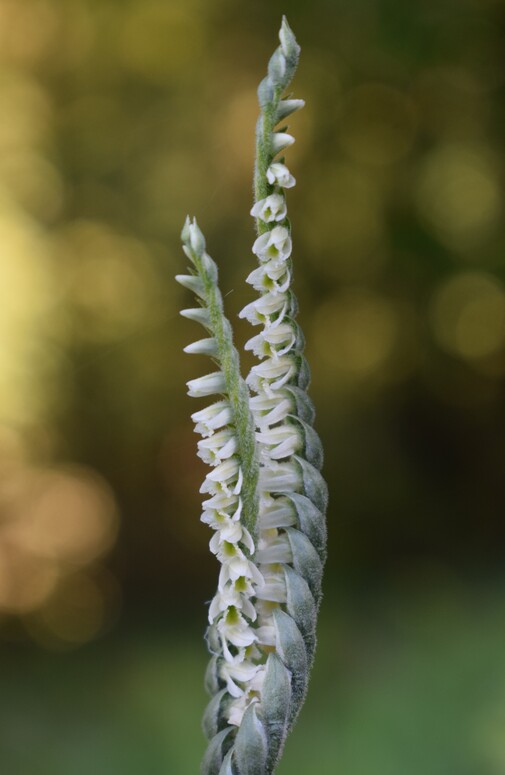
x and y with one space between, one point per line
281 140
203 347
206 386
278 174
198 314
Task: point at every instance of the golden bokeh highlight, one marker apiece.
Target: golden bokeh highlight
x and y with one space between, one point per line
468 315
459 195
26 294
56 524
27 30
67 516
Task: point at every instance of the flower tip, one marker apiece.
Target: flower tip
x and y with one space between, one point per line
185 229
289 46
196 238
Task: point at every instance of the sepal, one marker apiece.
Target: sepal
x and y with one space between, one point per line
289 45
192 283
277 68
216 751
301 607
227 766
281 140
203 347
312 447
198 314
207 385
213 682
251 745
214 717
310 521
306 561
304 408
314 486
291 649
286 107
276 701
266 92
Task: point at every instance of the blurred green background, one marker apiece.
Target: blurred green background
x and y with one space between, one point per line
116 119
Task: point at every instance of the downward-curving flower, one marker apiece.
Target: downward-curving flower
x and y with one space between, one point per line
267 498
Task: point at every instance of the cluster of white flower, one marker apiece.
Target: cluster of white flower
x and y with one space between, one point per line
267 497
277 439
231 612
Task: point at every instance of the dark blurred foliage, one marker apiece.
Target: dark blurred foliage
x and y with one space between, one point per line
117 119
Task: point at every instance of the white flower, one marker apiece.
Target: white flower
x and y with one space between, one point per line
223 504
276 512
275 244
281 140
266 343
203 347
238 707
196 238
286 107
269 410
250 696
271 374
273 208
279 175
274 589
274 550
198 314
239 568
270 277
266 635
259 311
241 672
280 477
212 418
280 442
218 447
224 543
230 596
235 629
206 386
225 477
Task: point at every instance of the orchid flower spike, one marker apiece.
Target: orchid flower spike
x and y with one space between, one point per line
266 497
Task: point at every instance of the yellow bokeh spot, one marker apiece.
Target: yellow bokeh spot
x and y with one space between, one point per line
468 315
458 195
27 30
26 581
26 296
65 516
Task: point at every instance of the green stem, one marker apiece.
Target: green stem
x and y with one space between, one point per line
238 395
